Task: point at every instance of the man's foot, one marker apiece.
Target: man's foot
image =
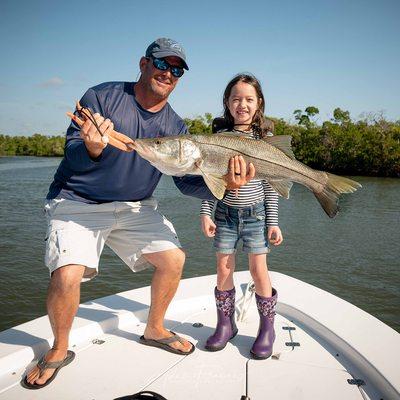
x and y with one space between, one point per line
37 377
182 345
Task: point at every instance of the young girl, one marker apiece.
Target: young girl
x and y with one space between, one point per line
249 213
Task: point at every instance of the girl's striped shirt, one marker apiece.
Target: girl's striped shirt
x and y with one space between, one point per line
253 192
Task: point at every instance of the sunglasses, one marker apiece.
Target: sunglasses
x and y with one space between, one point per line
163 65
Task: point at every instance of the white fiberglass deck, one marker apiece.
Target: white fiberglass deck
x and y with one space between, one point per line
322 343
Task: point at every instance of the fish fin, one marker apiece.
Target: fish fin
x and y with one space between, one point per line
329 197
282 187
283 143
216 184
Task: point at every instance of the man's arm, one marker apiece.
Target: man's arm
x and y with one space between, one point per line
237 176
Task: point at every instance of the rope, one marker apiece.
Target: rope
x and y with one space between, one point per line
244 303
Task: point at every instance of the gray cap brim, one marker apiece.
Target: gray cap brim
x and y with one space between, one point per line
170 53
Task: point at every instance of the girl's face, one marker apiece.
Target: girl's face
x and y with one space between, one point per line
243 103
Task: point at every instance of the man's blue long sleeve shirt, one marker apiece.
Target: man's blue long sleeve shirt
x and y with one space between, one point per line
117 175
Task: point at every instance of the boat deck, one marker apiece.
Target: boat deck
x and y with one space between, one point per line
306 364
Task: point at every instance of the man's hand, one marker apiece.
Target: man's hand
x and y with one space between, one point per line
207 226
275 235
116 139
238 175
94 142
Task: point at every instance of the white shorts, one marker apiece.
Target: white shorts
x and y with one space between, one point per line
77 232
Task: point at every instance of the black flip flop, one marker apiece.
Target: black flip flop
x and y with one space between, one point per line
147 394
164 344
43 364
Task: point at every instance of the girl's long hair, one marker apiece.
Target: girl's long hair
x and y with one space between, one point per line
259 124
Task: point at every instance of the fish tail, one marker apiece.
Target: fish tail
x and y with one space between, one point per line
334 187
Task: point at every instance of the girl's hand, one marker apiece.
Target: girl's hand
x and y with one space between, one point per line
238 175
275 235
207 226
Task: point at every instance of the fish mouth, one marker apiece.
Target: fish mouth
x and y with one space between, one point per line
144 151
131 146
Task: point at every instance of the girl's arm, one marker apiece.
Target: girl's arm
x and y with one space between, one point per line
207 224
271 208
271 199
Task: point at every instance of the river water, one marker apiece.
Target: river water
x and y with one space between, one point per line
355 256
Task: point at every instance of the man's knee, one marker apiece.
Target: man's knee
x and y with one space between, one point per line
67 277
180 257
170 260
176 261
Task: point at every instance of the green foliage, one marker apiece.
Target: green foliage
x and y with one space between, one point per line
36 145
340 116
311 111
368 147
305 119
200 125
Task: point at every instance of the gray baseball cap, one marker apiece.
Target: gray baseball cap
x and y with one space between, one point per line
164 47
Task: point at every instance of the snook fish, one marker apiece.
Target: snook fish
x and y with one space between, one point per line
274 161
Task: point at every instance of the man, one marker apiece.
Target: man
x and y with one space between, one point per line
101 195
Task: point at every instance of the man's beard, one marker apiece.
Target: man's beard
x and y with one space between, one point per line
159 92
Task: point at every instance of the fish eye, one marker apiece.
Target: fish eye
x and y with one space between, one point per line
158 141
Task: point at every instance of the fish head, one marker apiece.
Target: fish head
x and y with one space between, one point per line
172 155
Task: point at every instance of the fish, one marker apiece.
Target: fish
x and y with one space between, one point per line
272 157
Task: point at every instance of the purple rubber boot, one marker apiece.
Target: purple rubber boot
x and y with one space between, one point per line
262 347
226 326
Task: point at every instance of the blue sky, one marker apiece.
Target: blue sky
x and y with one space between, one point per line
324 53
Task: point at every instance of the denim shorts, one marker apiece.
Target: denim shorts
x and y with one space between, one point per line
247 223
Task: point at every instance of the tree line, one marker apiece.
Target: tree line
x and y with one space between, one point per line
369 146
36 145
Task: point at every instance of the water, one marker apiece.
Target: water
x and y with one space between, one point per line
355 256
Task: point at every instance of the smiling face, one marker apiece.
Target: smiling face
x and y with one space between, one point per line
243 103
159 83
